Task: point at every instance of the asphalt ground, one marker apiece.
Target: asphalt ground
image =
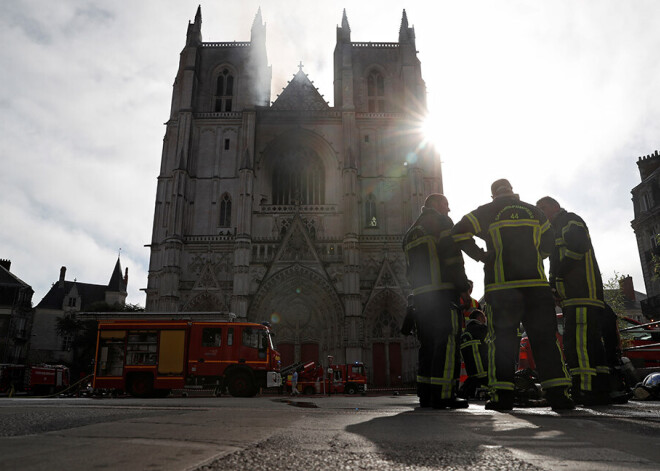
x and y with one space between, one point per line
339 432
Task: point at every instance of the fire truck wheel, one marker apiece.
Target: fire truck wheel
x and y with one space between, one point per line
309 390
241 385
141 385
351 389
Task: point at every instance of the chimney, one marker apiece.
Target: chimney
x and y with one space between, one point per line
6 264
626 285
62 273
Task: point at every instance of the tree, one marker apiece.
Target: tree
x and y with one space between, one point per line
614 294
82 334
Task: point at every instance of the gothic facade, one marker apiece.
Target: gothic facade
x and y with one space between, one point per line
646 204
293 211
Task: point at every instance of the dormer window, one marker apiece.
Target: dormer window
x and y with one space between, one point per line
375 92
224 91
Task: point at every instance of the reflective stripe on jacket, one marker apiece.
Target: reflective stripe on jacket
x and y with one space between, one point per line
574 272
518 238
433 262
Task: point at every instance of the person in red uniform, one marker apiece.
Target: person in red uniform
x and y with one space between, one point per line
434 267
576 281
468 303
518 237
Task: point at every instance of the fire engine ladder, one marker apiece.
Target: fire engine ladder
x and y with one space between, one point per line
291 368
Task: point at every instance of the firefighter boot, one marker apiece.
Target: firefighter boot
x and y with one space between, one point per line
500 400
559 398
424 394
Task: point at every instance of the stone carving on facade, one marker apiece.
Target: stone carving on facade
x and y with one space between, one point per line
384 314
206 279
257 274
221 263
369 268
336 274
206 302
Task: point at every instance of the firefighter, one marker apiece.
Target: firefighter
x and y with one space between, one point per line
468 304
575 280
435 270
517 237
475 353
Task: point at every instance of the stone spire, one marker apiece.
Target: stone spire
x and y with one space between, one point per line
258 31
406 34
344 31
194 34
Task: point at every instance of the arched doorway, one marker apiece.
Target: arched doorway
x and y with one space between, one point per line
305 314
391 364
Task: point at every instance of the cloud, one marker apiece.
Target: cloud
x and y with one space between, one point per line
561 97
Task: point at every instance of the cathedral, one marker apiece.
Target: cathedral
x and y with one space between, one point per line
292 211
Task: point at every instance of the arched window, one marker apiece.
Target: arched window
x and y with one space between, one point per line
224 91
375 92
298 178
225 211
371 219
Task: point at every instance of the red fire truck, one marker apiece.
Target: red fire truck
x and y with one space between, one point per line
340 379
150 356
35 379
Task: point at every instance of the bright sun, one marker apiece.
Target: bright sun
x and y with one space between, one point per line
431 129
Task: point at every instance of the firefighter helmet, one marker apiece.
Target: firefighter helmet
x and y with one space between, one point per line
652 382
649 388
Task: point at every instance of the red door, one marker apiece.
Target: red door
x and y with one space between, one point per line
287 354
379 365
309 352
395 363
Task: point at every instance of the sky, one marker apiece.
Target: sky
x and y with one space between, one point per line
559 96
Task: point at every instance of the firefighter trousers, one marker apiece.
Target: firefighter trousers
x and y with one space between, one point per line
535 308
583 348
438 330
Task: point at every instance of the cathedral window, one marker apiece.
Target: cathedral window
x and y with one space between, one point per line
371 219
225 211
224 91
67 342
375 92
298 178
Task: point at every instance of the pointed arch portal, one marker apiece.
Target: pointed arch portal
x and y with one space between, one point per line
305 313
392 355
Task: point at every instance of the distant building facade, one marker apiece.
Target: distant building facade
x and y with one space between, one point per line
64 299
632 300
15 315
646 224
293 211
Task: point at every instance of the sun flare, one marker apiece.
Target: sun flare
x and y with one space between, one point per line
431 130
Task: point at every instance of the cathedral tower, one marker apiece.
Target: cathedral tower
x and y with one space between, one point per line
293 211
